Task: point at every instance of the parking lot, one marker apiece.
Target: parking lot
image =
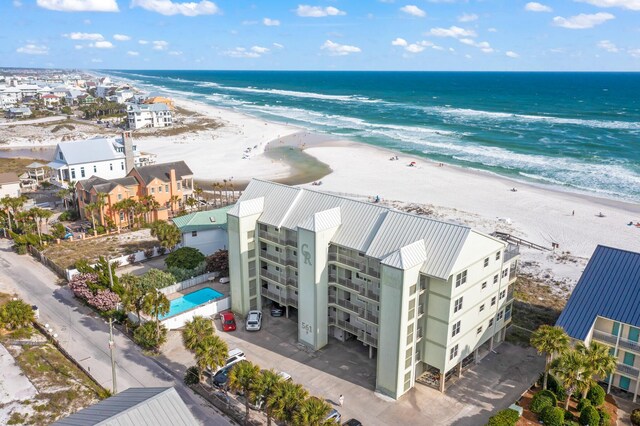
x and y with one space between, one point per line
345 368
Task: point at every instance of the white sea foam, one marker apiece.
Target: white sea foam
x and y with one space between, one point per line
297 94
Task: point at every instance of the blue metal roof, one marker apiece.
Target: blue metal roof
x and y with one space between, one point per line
609 287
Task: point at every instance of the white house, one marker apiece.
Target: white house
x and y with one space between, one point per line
205 231
9 185
9 97
149 115
50 100
103 157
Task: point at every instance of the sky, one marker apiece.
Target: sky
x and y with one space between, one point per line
417 35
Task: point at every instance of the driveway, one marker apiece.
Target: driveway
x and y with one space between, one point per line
85 335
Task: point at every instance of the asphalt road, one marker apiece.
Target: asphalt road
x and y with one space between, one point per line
85 335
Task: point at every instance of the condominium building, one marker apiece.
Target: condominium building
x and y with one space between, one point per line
425 296
605 307
149 115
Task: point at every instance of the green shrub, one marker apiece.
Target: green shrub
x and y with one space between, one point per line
571 423
68 216
554 386
540 402
507 417
551 395
605 418
552 416
583 403
58 231
146 337
589 417
635 417
568 416
100 229
16 314
185 258
596 395
191 377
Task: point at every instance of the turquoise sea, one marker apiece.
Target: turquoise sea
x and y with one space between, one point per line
579 131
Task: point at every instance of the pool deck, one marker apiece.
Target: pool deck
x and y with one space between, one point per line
221 288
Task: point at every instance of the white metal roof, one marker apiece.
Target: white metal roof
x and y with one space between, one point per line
90 150
323 220
407 257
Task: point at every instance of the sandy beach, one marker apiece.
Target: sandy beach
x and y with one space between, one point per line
247 147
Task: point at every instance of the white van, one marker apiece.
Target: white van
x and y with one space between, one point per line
235 355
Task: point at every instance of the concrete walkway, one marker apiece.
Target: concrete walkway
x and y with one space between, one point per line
85 335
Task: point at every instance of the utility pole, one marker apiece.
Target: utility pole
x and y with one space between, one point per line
112 343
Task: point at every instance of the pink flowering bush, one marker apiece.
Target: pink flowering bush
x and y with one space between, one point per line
103 300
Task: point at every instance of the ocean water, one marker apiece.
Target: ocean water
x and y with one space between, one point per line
578 131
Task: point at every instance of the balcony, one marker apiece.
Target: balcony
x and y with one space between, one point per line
292 282
510 293
272 257
292 302
512 251
291 261
280 279
272 238
346 260
370 295
370 340
368 315
344 304
627 370
345 325
612 339
345 282
278 297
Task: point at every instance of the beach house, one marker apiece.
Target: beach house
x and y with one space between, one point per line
427 297
108 158
205 231
605 307
149 115
9 185
9 97
18 112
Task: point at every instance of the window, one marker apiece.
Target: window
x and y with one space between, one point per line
486 262
495 279
60 155
166 188
122 165
121 216
179 186
461 278
160 188
73 173
81 171
505 273
153 190
194 233
493 300
498 256
110 166
95 169
412 290
482 307
412 309
479 330
484 285
503 293
454 352
119 196
457 305
455 329
499 317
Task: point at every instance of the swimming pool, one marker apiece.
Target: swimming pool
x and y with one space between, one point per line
190 301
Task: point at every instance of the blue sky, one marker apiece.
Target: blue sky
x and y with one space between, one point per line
322 35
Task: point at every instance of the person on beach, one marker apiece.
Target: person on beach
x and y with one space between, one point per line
573 212
341 400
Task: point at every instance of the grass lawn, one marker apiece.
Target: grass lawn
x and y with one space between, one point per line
67 253
62 387
16 165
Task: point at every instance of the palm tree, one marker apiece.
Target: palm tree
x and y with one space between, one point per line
243 377
285 401
197 191
214 187
128 206
167 234
550 340
156 304
118 207
152 206
232 192
101 201
91 209
265 386
12 206
599 361
38 215
196 330
173 201
212 352
570 369
313 412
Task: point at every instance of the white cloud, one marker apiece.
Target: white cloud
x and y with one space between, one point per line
278 46
467 17
413 10
259 49
78 47
511 54
399 42
414 48
625 4
133 53
175 53
102 45
453 31
121 37
482 45
143 42
84 36
582 21
634 52
306 11
79 5
241 52
96 61
33 49
608 46
336 49
17 3
492 30
534 6
160 45
271 22
168 7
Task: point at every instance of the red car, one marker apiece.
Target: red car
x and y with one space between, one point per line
228 321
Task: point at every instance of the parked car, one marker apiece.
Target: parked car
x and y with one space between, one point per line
235 356
259 401
228 321
334 416
285 376
36 311
352 422
277 310
221 378
254 321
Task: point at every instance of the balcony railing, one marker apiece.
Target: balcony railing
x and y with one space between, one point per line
370 295
272 257
272 237
281 298
290 261
345 325
628 370
344 282
512 251
345 260
280 279
345 304
510 293
368 315
292 302
370 340
611 339
292 282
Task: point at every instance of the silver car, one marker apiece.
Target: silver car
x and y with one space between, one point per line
254 321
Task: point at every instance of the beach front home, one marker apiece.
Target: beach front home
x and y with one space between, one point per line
9 97
152 115
170 184
427 297
21 112
85 99
9 185
108 158
205 231
50 100
109 192
605 307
